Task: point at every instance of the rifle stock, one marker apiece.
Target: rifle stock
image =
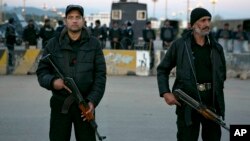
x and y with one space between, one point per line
202 109
83 105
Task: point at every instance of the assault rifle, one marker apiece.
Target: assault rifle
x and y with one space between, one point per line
202 109
83 105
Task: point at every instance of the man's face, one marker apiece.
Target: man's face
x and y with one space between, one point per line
149 26
202 26
226 27
47 23
97 24
167 23
74 21
115 25
31 23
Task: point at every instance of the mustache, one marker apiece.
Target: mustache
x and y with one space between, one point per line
207 27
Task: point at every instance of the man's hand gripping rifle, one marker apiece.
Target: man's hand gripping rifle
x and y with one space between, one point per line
202 109
83 105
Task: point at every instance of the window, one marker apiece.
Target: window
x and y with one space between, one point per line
141 15
116 14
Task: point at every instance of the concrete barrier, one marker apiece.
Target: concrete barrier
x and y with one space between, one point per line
142 63
131 62
123 62
3 61
120 62
27 61
24 60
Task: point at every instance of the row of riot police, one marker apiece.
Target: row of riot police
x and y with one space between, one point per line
167 35
32 33
233 41
119 37
30 36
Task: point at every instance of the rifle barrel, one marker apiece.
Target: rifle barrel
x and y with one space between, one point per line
200 108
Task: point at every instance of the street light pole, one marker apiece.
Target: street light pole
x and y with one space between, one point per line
24 10
188 2
213 3
166 12
1 11
154 8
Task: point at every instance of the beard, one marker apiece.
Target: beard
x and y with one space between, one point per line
203 32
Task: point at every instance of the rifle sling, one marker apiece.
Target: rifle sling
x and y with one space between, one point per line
67 103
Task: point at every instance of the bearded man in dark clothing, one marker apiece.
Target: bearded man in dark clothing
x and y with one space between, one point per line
200 72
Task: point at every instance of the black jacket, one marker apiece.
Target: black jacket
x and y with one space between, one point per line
10 34
46 33
115 33
180 56
167 34
148 34
30 34
224 34
89 71
100 33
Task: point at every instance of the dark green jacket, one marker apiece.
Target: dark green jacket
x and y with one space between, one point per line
89 71
180 56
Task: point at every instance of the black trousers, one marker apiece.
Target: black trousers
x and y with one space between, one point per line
10 54
11 58
115 45
61 124
150 47
210 131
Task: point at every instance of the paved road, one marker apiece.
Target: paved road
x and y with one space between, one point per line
131 109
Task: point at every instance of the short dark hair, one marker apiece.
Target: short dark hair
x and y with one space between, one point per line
148 22
47 20
167 20
30 20
11 20
98 21
60 22
129 24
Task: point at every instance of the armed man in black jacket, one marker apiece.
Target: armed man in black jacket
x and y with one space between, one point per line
149 36
200 72
10 36
79 56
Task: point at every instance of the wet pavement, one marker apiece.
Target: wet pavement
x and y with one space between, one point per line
131 109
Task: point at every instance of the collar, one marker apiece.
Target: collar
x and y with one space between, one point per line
207 41
64 39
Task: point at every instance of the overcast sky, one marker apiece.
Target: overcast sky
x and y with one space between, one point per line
227 9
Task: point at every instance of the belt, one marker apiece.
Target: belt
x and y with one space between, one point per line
204 86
